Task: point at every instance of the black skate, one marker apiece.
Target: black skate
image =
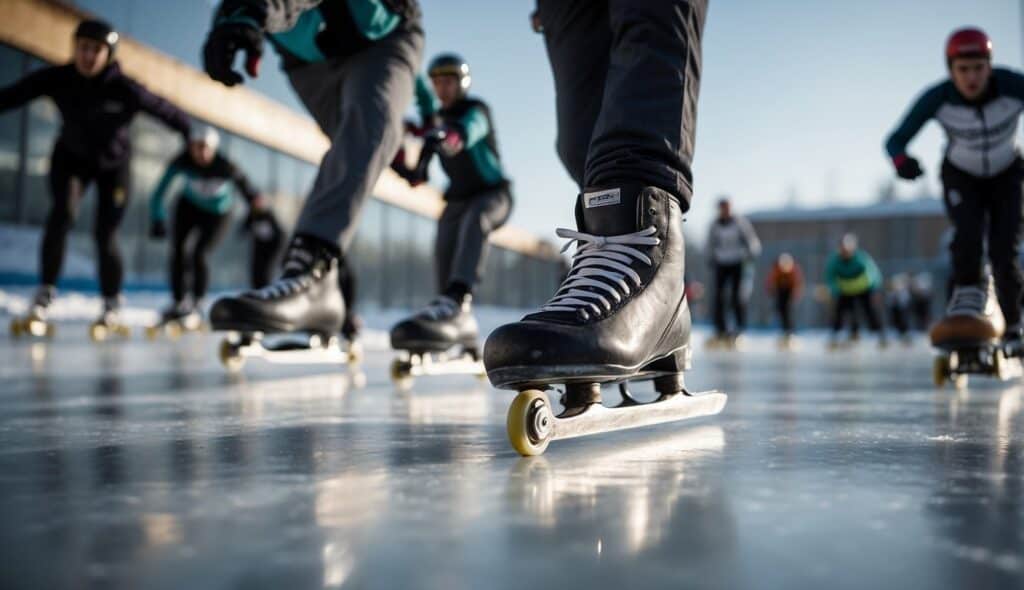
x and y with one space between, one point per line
441 339
109 324
179 318
304 303
36 322
972 339
620 315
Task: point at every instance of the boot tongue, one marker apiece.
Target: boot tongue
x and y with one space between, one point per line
607 211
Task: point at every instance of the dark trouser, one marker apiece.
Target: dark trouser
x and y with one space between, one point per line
974 204
626 74
266 254
347 285
899 318
196 232
848 304
359 103
784 306
69 177
460 249
728 284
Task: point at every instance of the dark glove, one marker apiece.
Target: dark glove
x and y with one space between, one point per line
157 229
907 168
238 26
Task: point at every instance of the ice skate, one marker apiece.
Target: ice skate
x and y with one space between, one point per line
619 316
970 339
178 318
36 322
109 324
305 304
440 339
350 330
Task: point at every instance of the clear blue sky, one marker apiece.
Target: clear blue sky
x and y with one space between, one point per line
796 97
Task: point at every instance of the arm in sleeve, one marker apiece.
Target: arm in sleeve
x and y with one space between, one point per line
922 110
32 86
426 101
162 109
750 237
249 193
874 274
474 126
157 208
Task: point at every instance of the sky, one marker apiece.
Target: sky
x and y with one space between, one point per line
796 96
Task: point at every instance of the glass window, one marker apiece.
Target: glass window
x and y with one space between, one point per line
12 64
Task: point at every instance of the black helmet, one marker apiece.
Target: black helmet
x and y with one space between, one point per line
450 64
98 30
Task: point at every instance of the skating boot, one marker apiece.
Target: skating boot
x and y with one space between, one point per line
179 317
109 323
1013 341
35 322
440 339
969 337
305 301
619 315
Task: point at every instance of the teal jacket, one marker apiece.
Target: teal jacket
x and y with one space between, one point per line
852 276
477 168
334 28
208 188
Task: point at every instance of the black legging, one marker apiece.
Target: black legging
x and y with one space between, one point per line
189 271
784 305
847 304
69 177
729 278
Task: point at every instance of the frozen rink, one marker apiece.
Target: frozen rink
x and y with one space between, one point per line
144 465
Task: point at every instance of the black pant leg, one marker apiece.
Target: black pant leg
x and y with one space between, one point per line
965 206
67 180
113 191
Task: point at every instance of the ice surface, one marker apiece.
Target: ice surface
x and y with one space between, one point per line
144 465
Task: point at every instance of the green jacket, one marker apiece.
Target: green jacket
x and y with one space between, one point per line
855 275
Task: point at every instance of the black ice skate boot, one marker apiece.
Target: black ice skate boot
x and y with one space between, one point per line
620 313
439 326
305 299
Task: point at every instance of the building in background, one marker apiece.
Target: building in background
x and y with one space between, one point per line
278 149
902 237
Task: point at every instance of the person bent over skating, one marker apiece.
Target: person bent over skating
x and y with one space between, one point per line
202 216
982 173
785 283
353 64
626 79
477 202
97 103
732 246
853 278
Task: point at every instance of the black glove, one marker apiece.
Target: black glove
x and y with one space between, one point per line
907 168
238 26
158 229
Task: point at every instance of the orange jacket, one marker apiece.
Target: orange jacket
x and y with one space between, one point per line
778 279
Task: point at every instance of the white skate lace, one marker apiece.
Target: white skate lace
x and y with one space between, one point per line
967 300
440 309
602 264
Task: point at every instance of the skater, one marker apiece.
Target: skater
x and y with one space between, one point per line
785 283
478 201
626 77
97 103
853 278
353 64
733 246
898 306
982 173
202 216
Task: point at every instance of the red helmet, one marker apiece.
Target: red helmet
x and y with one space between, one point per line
968 42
